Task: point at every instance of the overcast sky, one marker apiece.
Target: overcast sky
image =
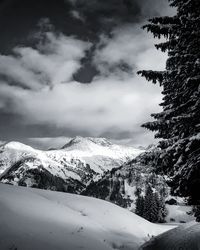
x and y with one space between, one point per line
69 68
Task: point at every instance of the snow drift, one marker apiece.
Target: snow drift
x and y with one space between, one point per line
183 237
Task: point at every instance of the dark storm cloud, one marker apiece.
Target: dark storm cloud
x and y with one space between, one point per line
85 19
102 17
117 11
50 47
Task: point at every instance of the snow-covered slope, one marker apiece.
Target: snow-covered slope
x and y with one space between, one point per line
44 220
179 214
73 166
120 185
99 153
183 237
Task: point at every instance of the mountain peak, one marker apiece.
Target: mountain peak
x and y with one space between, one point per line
16 146
87 140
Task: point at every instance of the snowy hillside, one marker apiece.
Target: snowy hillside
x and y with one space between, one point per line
45 220
66 169
120 185
183 237
179 214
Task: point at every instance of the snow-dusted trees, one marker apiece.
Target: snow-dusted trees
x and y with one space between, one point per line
150 212
178 125
197 213
139 204
162 210
151 206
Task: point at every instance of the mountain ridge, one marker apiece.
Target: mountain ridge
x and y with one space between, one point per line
76 163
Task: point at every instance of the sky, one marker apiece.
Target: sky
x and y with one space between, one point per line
69 68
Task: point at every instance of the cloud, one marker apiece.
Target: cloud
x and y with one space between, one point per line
46 143
77 15
116 12
105 105
55 59
109 106
38 91
127 50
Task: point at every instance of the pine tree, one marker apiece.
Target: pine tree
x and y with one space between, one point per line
197 213
139 206
178 125
151 206
139 203
162 210
150 211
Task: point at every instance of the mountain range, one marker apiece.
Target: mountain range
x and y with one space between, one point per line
70 168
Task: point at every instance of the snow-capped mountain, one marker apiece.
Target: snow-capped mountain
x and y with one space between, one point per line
70 168
100 153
